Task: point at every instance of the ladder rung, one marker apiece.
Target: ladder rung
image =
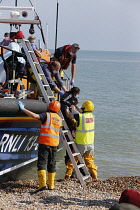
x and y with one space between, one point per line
35 62
65 131
70 142
86 177
40 74
75 154
30 51
80 165
45 85
50 96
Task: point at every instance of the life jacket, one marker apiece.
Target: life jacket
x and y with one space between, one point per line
85 130
50 130
64 61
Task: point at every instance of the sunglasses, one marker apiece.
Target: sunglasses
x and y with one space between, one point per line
77 48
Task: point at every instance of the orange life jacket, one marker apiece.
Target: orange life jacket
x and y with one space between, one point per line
64 61
50 130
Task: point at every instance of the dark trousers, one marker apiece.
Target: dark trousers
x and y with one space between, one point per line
20 69
47 156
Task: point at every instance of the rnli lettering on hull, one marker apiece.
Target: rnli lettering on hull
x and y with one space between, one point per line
13 143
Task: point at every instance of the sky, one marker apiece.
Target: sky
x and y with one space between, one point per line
106 25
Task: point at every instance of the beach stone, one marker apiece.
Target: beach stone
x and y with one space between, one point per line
68 194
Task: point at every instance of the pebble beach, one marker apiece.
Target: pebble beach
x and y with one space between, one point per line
68 194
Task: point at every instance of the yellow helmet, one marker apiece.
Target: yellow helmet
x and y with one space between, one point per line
88 106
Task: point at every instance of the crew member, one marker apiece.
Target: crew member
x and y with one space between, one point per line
37 51
51 69
6 41
68 102
66 55
84 138
19 61
48 142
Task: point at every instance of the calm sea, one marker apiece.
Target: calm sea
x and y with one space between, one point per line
112 81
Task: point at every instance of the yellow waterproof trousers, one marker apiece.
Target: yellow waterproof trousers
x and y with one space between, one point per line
89 161
69 168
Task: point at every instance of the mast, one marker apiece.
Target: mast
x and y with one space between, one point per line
56 25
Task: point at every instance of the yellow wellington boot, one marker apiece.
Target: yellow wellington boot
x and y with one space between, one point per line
41 180
51 178
89 160
69 169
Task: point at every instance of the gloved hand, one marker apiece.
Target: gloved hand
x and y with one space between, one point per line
72 82
74 123
61 93
21 105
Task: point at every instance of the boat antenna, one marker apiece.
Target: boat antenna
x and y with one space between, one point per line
39 26
16 3
56 25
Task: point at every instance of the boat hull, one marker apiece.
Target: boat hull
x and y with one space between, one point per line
13 174
18 138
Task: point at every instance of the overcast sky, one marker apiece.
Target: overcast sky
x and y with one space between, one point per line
112 25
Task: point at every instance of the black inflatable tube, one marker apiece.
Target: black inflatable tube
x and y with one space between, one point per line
9 107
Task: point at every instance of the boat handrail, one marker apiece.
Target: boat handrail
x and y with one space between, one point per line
15 19
14 53
18 21
19 54
15 8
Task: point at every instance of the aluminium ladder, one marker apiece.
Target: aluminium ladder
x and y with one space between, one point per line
48 96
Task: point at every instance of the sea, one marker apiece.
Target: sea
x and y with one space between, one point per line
111 80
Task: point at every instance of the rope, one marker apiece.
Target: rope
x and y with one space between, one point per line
33 6
39 26
66 75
